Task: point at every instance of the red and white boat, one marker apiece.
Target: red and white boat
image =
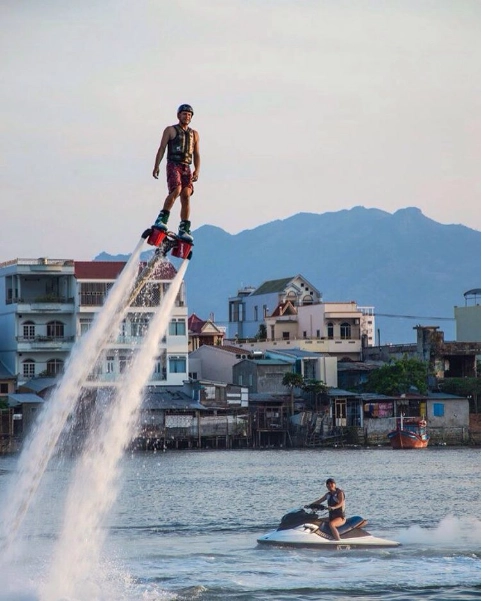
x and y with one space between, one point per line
410 433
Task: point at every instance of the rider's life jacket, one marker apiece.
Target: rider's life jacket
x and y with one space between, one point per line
332 499
180 148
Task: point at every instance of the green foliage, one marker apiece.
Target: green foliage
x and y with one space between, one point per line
3 402
315 387
292 380
398 377
261 334
461 386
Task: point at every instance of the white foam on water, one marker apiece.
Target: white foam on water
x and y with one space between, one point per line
95 484
41 444
451 531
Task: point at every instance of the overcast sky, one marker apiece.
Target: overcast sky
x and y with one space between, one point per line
301 106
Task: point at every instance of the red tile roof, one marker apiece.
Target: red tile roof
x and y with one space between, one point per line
97 270
109 270
195 324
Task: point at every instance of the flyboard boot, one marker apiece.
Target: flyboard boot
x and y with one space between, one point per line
157 233
184 232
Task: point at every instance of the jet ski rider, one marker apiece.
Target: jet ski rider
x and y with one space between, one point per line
335 499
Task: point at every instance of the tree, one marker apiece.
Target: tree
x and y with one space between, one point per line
261 334
314 388
292 381
399 377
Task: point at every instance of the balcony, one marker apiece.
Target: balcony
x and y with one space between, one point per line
58 343
45 304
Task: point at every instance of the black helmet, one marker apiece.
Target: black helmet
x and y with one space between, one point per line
185 107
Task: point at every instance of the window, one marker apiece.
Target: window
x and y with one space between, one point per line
177 327
285 335
438 410
345 331
54 367
139 327
256 313
318 333
123 329
330 330
29 330
177 365
93 293
55 329
3 388
28 368
109 364
85 324
124 360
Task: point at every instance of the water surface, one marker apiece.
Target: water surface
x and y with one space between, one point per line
185 525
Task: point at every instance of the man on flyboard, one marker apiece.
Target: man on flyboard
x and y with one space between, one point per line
182 144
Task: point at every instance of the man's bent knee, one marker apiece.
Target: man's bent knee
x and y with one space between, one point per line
174 193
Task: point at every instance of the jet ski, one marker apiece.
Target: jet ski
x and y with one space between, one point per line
303 527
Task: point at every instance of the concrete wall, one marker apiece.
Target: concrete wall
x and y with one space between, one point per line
467 323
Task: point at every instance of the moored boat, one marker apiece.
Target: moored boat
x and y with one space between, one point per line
410 433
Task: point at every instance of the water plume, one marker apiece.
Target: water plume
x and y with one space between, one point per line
95 483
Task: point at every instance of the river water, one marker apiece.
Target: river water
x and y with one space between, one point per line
185 523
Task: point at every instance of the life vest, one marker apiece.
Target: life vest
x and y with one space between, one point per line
332 499
181 147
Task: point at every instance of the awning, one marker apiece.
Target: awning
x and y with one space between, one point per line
14 400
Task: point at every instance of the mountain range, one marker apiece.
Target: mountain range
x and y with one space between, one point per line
411 269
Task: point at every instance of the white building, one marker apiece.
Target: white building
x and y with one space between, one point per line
249 309
37 316
47 304
294 315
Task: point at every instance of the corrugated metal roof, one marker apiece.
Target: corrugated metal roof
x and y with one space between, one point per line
169 399
340 392
40 384
374 396
27 397
444 395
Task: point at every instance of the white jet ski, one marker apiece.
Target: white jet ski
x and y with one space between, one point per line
302 528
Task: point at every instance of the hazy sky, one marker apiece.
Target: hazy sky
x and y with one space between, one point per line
301 106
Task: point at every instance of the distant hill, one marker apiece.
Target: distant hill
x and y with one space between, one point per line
403 264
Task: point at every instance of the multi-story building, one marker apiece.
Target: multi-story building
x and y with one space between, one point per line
48 304
293 313
249 309
94 281
37 316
